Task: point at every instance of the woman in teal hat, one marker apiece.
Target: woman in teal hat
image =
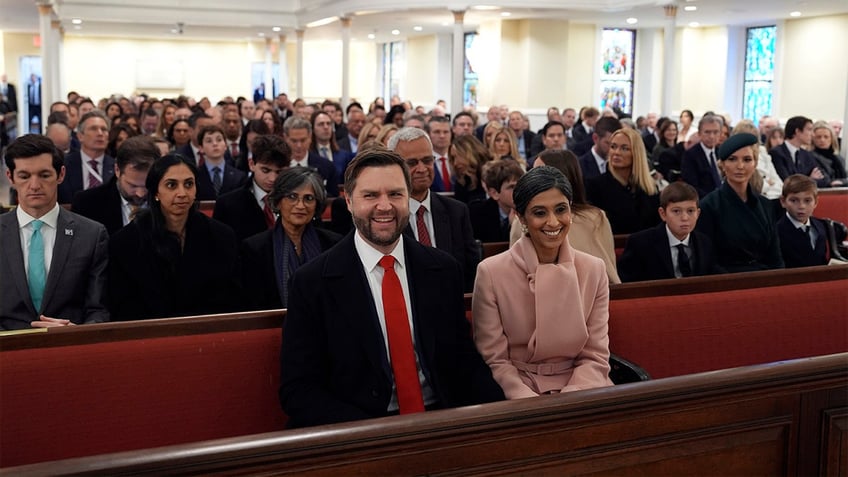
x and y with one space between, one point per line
738 220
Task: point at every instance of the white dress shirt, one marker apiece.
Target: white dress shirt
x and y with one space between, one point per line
48 235
414 205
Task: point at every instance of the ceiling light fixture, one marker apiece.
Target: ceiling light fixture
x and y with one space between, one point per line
690 8
395 32
371 36
506 14
694 24
321 22
76 21
632 21
795 14
276 29
418 28
485 7
261 34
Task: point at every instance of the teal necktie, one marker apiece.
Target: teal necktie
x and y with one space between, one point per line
37 272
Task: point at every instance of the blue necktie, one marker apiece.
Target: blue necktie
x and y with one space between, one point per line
37 272
216 179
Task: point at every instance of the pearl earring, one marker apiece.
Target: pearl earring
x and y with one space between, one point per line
524 230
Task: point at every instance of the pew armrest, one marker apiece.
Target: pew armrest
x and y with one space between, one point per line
623 371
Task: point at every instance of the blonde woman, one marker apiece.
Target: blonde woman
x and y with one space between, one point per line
626 191
503 145
826 152
368 133
385 133
467 156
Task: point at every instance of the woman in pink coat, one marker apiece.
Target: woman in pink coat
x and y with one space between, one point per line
541 308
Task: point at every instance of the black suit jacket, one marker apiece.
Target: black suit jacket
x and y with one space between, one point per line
486 221
239 210
344 143
259 273
12 97
73 175
101 204
795 245
589 166
334 365
579 133
650 141
232 179
804 164
186 151
528 143
203 278
697 171
453 233
327 170
647 256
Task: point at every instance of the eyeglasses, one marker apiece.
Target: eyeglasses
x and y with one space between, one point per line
414 162
294 198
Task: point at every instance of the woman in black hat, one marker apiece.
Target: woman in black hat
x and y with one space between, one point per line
738 220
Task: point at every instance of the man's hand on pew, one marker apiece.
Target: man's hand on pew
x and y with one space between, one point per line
47 322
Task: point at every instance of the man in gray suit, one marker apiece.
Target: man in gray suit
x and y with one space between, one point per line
52 262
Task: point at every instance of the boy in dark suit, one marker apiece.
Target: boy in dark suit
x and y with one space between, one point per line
215 177
673 249
491 218
802 237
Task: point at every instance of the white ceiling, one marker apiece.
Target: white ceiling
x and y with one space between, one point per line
249 19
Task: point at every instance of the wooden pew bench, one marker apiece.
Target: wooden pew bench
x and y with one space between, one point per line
121 386
778 419
833 204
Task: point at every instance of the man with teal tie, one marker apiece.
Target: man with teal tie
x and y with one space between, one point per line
52 262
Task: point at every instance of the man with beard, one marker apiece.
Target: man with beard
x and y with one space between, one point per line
376 325
115 203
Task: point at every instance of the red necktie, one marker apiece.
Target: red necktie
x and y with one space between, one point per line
93 181
269 214
201 159
445 174
400 341
234 149
423 234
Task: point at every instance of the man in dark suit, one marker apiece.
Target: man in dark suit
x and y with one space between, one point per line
355 121
672 249
376 325
90 166
9 92
245 210
650 135
52 262
492 115
192 150
34 101
440 137
491 218
698 166
216 176
583 129
115 203
791 157
523 135
435 220
298 134
324 143
594 162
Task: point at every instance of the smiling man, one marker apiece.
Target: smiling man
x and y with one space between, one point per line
376 325
52 262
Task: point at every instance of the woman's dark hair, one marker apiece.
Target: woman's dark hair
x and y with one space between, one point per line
292 179
394 111
171 129
256 126
536 181
687 112
662 129
151 221
567 163
120 110
112 145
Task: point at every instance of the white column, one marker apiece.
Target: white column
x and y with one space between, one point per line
45 13
458 63
299 34
668 57
284 65
345 61
269 71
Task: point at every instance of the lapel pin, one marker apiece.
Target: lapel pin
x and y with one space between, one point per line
69 232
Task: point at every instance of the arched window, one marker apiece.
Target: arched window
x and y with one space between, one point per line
759 72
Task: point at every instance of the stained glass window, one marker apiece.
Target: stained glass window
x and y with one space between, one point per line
617 50
759 72
470 79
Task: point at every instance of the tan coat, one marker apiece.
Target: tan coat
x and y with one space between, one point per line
542 328
591 233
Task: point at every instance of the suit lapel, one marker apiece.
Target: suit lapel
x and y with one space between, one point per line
419 274
353 296
663 248
441 223
65 234
10 244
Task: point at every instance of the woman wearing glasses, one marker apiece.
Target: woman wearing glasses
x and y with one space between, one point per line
172 260
270 258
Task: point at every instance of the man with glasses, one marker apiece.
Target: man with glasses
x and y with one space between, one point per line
435 220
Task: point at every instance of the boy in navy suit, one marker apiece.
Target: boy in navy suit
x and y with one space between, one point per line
672 249
215 177
802 237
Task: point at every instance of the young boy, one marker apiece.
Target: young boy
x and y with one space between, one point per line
215 177
673 249
803 238
490 218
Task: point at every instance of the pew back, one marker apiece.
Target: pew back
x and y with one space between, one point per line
833 204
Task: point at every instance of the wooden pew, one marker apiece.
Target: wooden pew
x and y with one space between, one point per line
121 386
779 419
833 204
207 207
